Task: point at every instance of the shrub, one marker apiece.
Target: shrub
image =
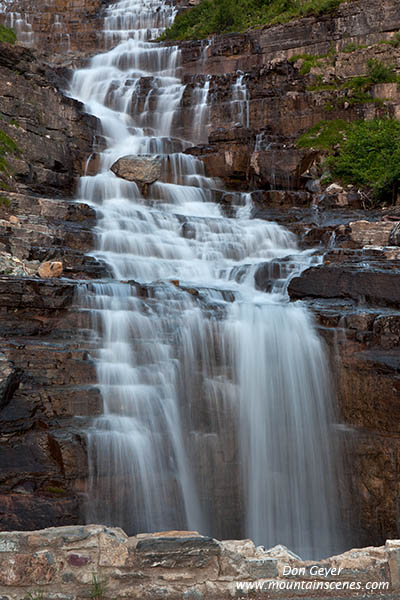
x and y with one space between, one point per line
378 72
369 157
7 35
362 153
395 41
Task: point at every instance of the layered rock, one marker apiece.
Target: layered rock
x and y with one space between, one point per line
45 370
75 562
57 26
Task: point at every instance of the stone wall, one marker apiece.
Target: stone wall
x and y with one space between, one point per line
67 563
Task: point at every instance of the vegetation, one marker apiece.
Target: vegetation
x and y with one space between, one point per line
7 146
362 153
356 90
7 35
51 489
324 136
310 61
5 201
34 596
353 47
227 16
97 588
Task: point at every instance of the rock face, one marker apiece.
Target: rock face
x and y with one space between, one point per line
59 26
178 564
140 169
45 371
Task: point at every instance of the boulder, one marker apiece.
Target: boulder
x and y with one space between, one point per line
50 269
140 169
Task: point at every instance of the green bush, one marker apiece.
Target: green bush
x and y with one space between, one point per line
362 153
226 16
7 35
378 72
395 41
370 157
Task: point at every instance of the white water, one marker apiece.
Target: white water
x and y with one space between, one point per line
194 384
240 102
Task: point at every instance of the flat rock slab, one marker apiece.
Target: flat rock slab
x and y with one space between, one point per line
378 286
140 169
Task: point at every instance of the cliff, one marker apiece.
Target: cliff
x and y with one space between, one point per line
43 365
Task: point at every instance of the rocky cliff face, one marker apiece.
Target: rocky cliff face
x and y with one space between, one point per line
57 26
42 363
46 375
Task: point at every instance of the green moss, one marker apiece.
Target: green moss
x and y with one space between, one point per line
4 201
324 136
352 47
227 16
362 153
55 490
7 35
7 146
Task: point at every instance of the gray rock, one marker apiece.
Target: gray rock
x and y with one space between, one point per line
140 169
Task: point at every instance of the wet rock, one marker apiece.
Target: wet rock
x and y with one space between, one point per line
394 237
9 380
379 286
140 169
50 269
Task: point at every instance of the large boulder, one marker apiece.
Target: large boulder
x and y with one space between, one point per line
140 169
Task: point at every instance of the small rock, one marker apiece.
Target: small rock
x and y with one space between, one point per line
14 220
50 269
313 186
334 188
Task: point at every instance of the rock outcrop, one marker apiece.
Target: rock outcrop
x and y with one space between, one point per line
77 562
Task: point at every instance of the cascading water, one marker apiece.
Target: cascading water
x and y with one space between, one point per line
215 395
240 102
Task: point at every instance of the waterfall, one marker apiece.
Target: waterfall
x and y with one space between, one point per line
240 102
217 411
